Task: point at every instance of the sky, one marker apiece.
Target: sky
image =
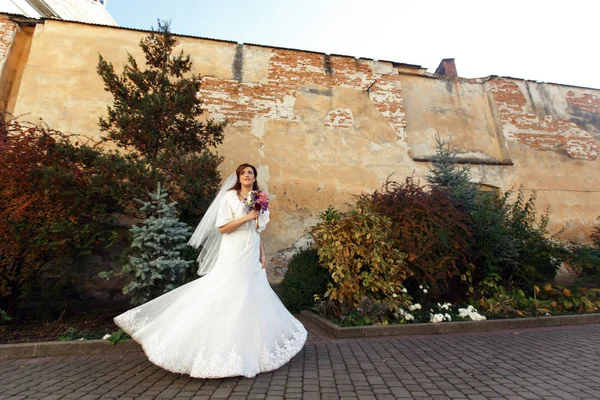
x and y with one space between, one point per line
546 41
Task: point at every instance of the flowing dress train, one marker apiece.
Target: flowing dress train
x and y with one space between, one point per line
227 323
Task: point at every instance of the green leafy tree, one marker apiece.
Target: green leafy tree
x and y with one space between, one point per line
156 264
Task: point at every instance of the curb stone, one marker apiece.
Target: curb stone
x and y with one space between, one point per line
68 348
88 347
450 327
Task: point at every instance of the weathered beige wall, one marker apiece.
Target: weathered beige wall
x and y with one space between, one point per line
456 109
320 128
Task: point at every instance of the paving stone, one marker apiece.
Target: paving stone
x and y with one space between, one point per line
498 365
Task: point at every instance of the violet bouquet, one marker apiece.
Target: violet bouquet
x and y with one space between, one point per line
257 200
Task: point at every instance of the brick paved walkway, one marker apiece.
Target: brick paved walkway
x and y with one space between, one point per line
548 363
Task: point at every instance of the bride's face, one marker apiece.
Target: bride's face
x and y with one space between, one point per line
247 177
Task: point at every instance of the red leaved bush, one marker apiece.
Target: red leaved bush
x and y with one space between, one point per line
428 228
55 198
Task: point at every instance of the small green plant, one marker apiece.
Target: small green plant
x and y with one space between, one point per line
74 334
367 312
118 336
304 279
565 300
4 316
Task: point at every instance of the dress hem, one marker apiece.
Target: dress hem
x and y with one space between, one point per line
160 364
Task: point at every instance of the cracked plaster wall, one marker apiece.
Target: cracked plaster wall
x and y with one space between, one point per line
320 128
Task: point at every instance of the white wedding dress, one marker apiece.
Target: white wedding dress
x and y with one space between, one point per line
227 323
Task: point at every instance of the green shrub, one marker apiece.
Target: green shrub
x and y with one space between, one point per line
304 279
358 250
595 236
585 260
493 249
540 253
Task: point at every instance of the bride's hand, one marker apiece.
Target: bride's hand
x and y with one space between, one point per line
263 262
253 214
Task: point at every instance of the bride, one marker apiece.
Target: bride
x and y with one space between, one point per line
229 322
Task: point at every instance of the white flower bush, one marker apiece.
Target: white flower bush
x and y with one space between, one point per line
440 312
470 312
403 314
438 317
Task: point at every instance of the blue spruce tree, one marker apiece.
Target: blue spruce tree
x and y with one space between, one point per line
156 265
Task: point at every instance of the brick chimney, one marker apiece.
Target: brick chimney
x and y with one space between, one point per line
447 67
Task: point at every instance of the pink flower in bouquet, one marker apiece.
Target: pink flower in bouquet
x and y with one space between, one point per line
257 200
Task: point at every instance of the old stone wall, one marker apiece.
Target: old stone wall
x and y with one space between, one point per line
322 127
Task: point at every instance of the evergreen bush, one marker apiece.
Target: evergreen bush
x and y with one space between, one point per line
155 265
304 279
507 237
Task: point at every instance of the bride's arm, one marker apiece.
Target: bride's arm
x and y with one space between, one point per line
236 223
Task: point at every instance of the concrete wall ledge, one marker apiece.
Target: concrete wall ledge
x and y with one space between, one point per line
450 327
89 347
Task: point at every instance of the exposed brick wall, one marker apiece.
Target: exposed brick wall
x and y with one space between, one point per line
447 67
523 127
587 102
7 33
339 118
289 70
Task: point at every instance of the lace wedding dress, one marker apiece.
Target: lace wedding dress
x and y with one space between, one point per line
227 323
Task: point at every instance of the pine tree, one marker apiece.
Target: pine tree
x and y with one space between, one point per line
493 249
157 116
155 111
444 173
156 265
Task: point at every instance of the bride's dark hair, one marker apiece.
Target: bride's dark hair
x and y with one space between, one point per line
238 171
